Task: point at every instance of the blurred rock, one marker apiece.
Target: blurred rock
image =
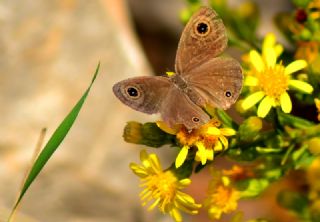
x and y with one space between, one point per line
49 51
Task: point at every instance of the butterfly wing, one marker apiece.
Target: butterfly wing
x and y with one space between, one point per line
144 94
204 37
177 108
155 94
218 82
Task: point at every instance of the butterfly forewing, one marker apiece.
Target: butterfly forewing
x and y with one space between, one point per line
144 94
203 38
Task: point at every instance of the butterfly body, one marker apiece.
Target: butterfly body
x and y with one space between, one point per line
201 78
182 85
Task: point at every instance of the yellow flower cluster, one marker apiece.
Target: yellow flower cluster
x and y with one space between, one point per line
163 187
207 139
222 196
269 81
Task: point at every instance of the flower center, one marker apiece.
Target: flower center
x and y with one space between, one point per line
273 81
225 198
187 138
163 186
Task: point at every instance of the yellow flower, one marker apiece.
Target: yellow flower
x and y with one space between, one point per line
222 196
270 81
317 102
206 139
313 179
314 7
163 187
307 50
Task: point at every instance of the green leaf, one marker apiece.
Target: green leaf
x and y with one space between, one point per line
294 121
53 143
266 150
254 187
302 157
294 201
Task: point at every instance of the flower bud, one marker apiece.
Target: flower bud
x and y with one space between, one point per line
305 34
132 132
314 145
148 134
238 106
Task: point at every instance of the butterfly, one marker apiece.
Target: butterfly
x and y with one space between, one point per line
201 78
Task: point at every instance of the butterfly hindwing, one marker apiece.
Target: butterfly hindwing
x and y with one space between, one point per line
218 82
177 108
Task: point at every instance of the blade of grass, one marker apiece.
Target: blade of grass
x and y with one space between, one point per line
53 143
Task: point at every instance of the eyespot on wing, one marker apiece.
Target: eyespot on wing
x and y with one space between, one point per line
144 94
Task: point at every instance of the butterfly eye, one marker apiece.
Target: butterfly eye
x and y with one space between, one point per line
228 94
132 92
195 119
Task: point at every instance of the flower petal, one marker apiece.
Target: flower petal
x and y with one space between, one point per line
252 100
185 182
138 170
251 81
285 102
295 66
144 157
224 141
256 60
170 73
201 152
264 107
182 156
155 164
270 57
269 41
301 86
213 131
278 49
210 154
218 146
227 131
164 127
154 204
175 214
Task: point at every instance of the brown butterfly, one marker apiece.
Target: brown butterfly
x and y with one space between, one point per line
201 78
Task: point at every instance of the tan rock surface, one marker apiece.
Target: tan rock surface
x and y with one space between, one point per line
49 51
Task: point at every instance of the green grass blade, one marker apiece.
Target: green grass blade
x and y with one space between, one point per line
53 143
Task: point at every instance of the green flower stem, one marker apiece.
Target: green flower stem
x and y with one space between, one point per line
286 155
301 135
